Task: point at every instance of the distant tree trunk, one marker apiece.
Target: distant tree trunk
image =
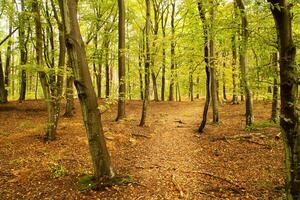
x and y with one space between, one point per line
147 65
275 114
164 20
214 81
86 93
234 63
198 85
191 85
140 68
107 68
207 68
8 55
224 78
289 116
172 80
121 60
3 91
244 64
23 53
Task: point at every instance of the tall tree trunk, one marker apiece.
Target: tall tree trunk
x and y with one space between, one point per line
107 68
69 93
50 134
23 53
214 84
121 61
234 63
3 91
275 114
224 78
244 64
141 50
289 115
147 65
164 20
207 67
8 55
86 93
172 80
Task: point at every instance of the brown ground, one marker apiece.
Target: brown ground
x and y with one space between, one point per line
167 159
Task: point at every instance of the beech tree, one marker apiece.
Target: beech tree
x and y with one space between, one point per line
86 94
289 114
121 61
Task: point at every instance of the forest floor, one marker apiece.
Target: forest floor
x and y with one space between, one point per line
167 159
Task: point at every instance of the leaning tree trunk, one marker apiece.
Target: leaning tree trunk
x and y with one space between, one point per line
289 114
207 67
274 116
147 66
121 61
244 65
86 93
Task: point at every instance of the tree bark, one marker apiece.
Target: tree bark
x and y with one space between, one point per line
172 79
86 93
3 91
207 67
214 84
275 115
244 64
289 115
147 65
121 61
23 53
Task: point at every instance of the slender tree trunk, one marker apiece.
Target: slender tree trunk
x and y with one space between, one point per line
147 65
69 94
214 81
121 60
164 20
275 113
289 115
3 91
172 80
107 68
23 53
244 64
224 78
8 56
234 64
86 93
140 69
207 68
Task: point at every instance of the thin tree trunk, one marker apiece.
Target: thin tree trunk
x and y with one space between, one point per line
234 63
275 113
23 53
3 91
214 84
147 66
172 80
86 93
121 61
140 69
8 56
244 64
207 67
107 68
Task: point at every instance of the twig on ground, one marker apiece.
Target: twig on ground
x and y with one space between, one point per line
177 186
140 135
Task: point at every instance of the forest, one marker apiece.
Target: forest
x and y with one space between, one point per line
149 99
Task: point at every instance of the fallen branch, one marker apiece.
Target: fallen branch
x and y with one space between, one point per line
140 135
217 177
177 186
237 137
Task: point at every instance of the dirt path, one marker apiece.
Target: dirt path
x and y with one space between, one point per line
166 159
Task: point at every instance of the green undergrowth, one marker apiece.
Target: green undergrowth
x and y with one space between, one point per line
261 125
